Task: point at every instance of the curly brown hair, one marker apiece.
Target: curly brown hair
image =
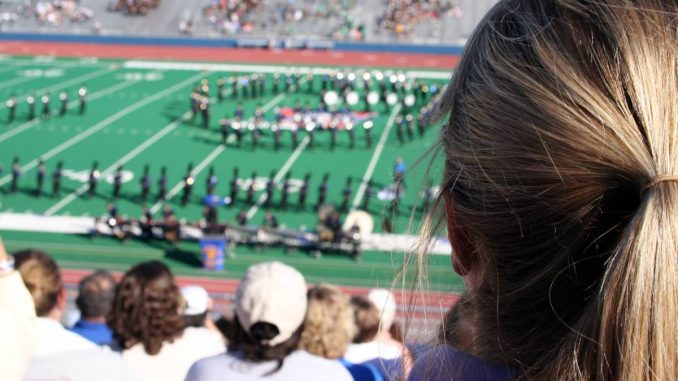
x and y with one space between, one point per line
146 308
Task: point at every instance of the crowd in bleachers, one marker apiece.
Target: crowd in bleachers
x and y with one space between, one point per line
52 12
339 20
144 327
401 17
232 17
134 7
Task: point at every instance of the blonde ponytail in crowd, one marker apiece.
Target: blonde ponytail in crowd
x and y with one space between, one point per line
561 153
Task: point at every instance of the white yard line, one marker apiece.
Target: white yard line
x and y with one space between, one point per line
94 96
196 171
123 160
15 81
111 119
281 173
375 157
180 185
76 80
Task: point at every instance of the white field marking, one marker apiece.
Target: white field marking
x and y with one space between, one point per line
129 156
90 131
281 173
180 120
15 81
215 67
76 80
13 65
196 171
123 160
375 157
25 126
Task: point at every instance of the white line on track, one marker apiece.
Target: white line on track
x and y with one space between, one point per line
244 68
94 96
111 119
196 171
375 157
61 85
278 176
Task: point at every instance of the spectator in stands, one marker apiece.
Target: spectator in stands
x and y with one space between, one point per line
60 354
135 7
329 329
17 318
95 297
270 309
199 323
560 193
373 342
148 326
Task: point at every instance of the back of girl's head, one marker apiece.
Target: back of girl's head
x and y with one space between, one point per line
146 309
366 316
562 132
329 327
42 278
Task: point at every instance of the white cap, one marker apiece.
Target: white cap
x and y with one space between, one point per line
196 298
272 292
385 303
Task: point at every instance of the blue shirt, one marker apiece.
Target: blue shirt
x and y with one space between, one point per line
98 333
362 372
447 363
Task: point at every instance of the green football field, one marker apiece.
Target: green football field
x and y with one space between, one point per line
138 114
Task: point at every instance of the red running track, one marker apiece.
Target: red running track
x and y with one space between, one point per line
435 302
233 55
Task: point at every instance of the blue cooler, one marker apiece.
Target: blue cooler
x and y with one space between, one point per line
213 252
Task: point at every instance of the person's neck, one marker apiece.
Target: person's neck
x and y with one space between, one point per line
55 314
383 336
94 319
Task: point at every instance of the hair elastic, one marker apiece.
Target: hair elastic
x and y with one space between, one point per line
658 180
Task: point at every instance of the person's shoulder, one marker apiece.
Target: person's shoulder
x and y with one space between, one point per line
205 339
314 365
213 367
80 364
446 362
55 338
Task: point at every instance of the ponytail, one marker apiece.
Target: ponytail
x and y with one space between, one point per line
561 157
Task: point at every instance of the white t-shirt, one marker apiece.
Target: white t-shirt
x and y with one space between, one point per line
174 359
363 352
18 331
64 355
298 366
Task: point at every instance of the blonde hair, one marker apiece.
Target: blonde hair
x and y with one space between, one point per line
42 279
328 329
560 113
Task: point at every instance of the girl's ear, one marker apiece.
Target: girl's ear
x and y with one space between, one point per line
463 249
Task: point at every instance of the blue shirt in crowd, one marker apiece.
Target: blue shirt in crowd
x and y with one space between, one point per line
362 372
98 333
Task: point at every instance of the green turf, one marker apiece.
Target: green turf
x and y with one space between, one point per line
189 142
